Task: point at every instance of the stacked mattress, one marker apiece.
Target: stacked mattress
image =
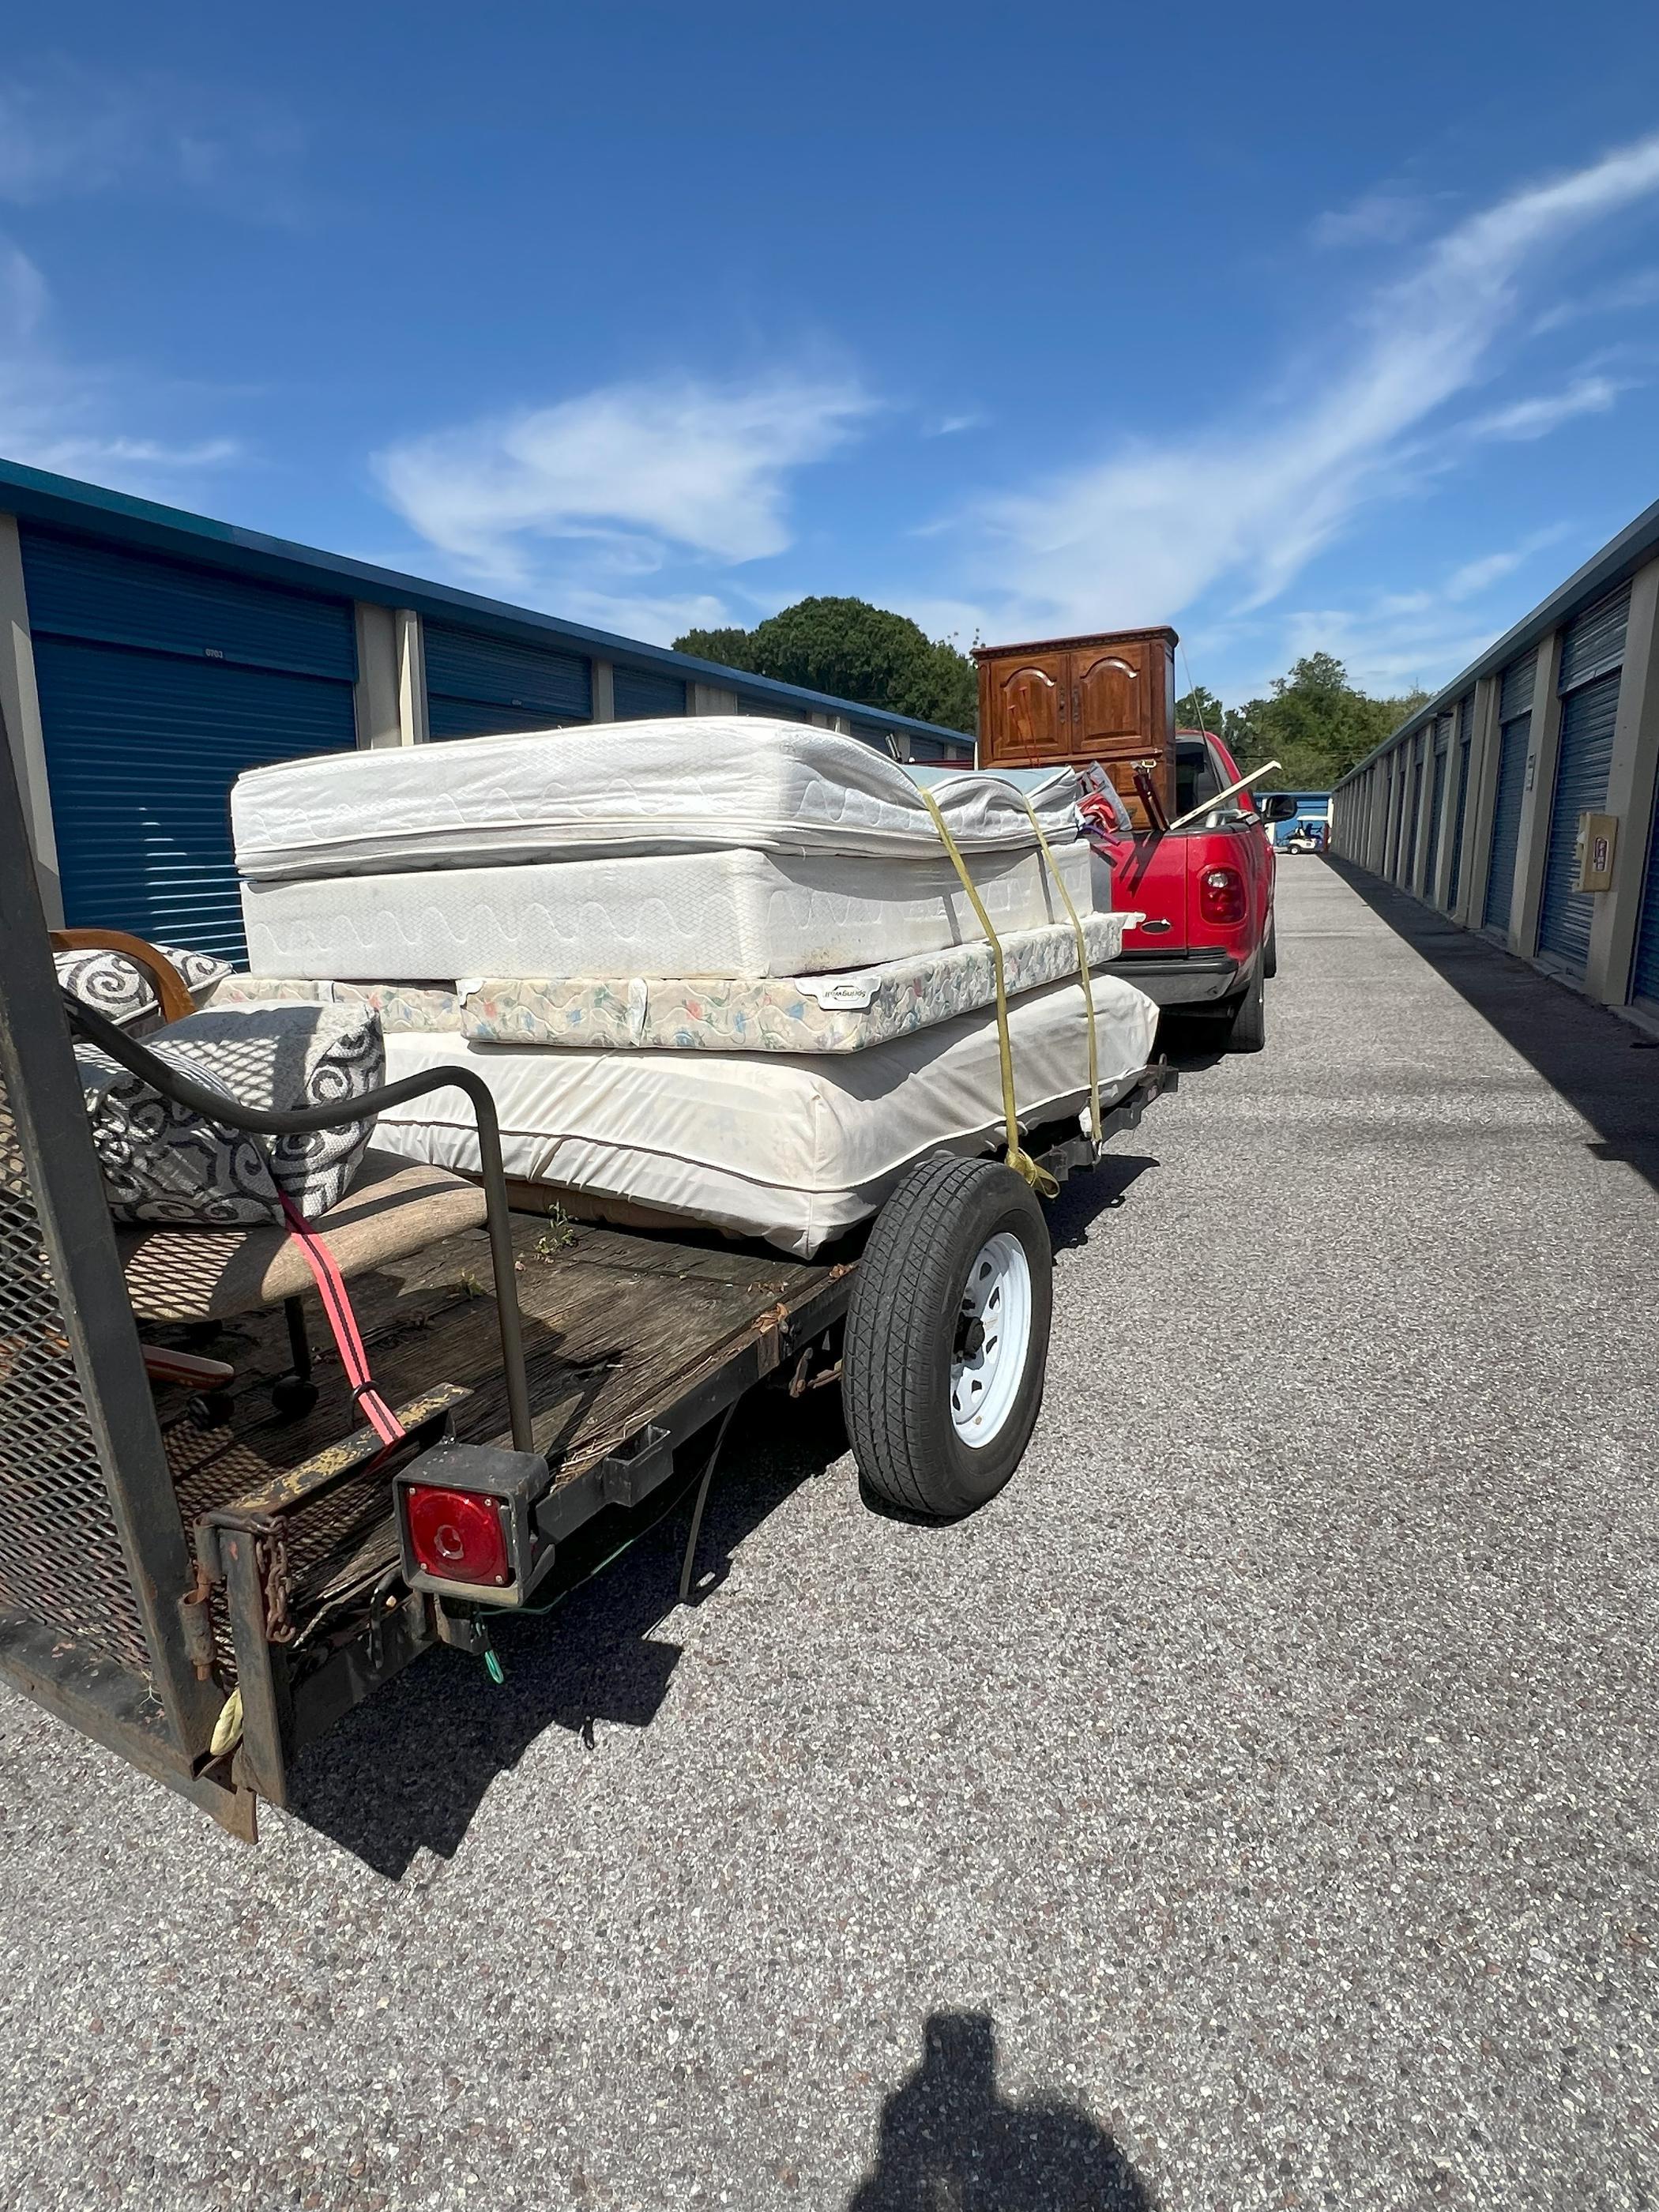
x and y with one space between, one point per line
729 846
722 968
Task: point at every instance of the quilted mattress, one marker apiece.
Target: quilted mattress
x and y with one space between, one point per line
839 1012
710 913
793 1148
615 787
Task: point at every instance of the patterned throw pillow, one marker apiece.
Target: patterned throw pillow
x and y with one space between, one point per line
164 1163
114 985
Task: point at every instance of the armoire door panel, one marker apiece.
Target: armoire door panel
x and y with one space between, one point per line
1030 707
1109 694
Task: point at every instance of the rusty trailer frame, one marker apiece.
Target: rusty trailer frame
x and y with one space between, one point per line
134 1596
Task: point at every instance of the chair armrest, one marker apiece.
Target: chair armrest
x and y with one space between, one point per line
172 992
265 1120
214 1106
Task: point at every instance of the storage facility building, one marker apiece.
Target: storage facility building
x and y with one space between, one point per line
1520 800
148 656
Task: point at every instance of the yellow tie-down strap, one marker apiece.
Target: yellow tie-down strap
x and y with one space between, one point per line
1083 976
1017 1158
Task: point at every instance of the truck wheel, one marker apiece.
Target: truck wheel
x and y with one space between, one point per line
1270 952
947 1336
1247 1030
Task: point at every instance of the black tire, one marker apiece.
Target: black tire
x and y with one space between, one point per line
902 1331
1247 1030
1270 952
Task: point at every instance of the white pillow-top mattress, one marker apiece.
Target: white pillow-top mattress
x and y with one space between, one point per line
731 914
793 1148
667 786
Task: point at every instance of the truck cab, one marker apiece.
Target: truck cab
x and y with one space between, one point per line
1206 890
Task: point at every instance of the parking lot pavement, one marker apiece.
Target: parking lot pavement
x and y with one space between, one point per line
1254 1806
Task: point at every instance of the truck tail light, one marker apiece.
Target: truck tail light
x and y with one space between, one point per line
458 1535
1221 895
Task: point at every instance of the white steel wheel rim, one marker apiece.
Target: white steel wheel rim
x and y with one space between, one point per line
992 1340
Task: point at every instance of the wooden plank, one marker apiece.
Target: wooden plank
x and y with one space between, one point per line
615 1321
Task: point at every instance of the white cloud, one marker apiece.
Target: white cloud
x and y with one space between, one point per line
632 468
1381 218
1474 577
68 136
1639 290
1138 536
1536 418
659 619
950 425
23 300
1397 640
58 414
1388 651
67 133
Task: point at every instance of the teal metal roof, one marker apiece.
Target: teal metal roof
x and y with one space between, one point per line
173 532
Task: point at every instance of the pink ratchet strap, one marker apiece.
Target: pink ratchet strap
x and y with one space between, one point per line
337 1305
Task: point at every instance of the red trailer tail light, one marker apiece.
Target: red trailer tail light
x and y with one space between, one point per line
1221 895
458 1535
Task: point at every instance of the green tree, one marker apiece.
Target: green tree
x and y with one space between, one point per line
729 647
1314 722
1199 709
853 651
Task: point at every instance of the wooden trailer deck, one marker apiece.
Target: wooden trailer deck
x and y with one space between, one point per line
624 1330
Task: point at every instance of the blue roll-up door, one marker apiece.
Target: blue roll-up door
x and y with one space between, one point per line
1645 970
480 686
78 587
639 694
1461 805
1580 787
1415 804
1506 821
1594 641
1396 811
1516 687
142 750
1437 804
159 683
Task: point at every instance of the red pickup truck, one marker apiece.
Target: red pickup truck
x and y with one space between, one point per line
1105 703
1207 946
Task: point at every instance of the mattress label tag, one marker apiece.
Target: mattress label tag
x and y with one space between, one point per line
840 991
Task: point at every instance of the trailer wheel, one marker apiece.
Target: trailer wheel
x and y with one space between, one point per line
947 1336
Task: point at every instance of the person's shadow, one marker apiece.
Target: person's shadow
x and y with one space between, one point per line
951 2142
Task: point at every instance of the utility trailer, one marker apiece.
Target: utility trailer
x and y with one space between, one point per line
205 1581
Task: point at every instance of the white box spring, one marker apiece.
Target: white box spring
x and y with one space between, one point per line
658 914
649 787
793 1148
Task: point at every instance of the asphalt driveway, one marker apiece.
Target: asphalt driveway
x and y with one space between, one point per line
1255 1806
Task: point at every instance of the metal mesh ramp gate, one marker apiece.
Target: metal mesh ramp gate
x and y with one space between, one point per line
61 1556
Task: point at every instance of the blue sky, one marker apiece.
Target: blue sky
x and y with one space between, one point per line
1296 326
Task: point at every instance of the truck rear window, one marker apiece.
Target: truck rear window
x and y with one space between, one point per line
1196 778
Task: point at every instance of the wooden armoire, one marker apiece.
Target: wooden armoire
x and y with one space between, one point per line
1109 697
